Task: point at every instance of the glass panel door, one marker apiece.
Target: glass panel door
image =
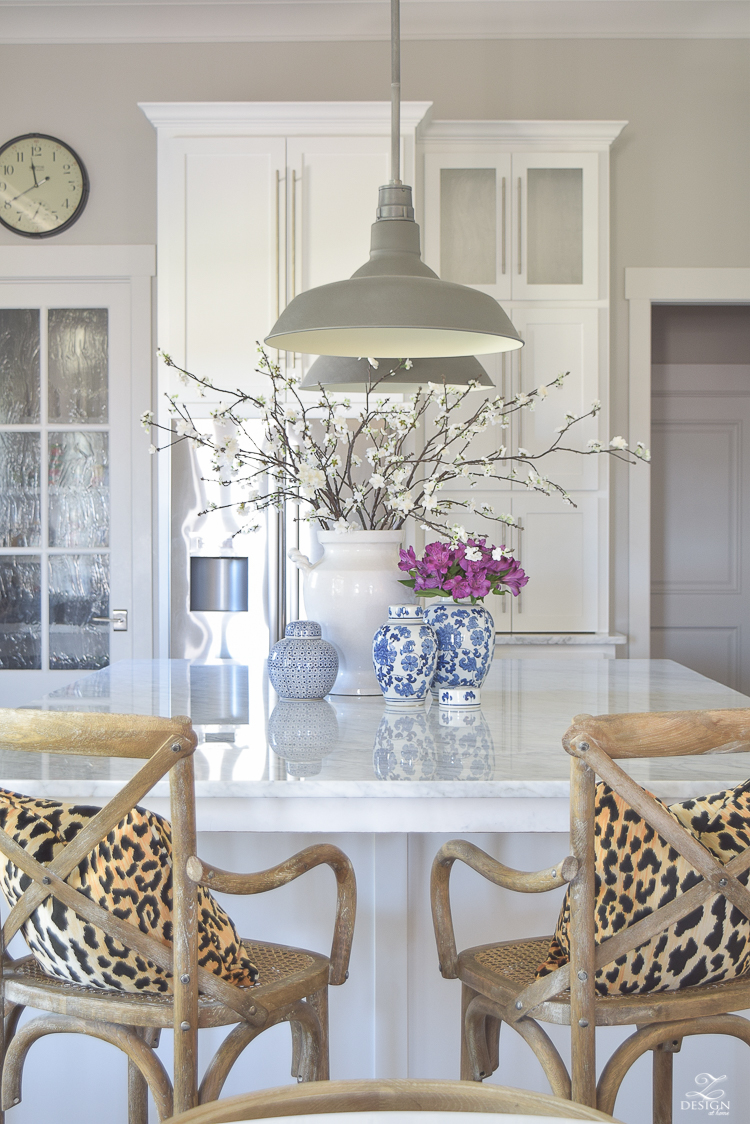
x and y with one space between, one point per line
555 226
64 521
467 211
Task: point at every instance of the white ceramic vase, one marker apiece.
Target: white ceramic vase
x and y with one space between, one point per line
349 591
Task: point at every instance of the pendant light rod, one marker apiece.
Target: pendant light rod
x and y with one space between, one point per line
395 92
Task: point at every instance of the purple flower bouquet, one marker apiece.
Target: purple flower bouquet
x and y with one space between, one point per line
462 570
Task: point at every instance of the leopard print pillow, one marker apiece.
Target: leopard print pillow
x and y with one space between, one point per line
130 874
637 872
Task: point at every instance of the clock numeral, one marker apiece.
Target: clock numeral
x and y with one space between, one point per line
72 185
36 150
66 204
3 186
66 167
6 205
19 157
8 169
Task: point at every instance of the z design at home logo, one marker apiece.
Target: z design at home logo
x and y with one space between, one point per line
707 1097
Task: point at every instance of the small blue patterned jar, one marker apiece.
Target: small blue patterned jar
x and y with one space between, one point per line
466 645
403 654
303 665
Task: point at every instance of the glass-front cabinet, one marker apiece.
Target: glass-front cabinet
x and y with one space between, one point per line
515 225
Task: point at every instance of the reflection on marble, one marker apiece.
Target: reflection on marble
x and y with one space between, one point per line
513 757
302 732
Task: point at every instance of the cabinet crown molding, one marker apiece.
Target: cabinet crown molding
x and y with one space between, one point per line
287 118
594 136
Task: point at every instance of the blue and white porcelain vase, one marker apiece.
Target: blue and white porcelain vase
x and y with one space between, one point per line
466 643
303 665
404 652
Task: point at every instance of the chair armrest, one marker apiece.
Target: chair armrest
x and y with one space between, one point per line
225 882
525 882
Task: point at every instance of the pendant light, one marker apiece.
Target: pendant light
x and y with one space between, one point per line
340 373
394 304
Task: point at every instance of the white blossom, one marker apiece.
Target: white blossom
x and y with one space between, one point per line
147 419
642 452
341 526
497 553
373 362
377 481
523 452
310 478
594 445
473 555
152 449
542 391
618 443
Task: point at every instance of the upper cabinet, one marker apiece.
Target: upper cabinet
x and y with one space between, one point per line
519 209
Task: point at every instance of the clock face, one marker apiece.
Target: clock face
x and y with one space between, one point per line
43 185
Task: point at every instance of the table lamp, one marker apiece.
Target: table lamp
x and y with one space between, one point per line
218 585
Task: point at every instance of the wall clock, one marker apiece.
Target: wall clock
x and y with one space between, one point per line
43 185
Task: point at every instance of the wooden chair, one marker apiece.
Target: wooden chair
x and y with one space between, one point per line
498 980
387 1096
292 985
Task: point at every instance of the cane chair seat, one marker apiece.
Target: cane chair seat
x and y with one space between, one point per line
502 971
290 974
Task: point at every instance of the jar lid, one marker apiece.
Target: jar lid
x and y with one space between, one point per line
303 629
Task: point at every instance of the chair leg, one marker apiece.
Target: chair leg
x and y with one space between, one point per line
319 1003
137 1084
663 1056
467 1068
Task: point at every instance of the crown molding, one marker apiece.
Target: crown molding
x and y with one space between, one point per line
572 135
264 21
286 118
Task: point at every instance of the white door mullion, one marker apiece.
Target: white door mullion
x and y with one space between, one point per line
44 480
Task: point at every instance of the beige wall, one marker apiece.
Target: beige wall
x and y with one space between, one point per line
680 171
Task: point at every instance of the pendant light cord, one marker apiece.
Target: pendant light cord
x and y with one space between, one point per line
395 92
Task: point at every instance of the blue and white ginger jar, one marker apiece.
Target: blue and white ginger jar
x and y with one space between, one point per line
404 652
466 645
303 665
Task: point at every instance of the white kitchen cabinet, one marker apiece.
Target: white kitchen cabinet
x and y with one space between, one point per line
520 210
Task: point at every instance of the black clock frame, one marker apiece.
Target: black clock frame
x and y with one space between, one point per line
84 188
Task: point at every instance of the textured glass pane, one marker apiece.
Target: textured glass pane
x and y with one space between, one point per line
78 364
555 226
19 366
78 591
468 225
20 612
78 489
20 517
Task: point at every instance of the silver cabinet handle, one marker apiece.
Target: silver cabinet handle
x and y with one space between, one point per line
118 620
502 252
520 224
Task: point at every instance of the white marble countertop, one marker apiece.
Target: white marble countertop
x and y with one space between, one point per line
346 764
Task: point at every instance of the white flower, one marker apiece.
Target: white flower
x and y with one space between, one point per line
186 428
459 533
473 555
618 443
231 446
522 399
594 445
523 452
642 452
372 454
542 391
341 526
497 553
152 449
335 461
408 364
373 362
402 502
147 419
596 406
356 461
377 481
310 478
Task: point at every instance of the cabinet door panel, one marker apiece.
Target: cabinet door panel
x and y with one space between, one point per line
336 197
555 226
467 219
557 547
232 249
559 340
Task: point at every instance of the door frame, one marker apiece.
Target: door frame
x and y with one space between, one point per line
133 267
644 287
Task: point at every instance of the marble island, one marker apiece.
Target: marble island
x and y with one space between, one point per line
348 764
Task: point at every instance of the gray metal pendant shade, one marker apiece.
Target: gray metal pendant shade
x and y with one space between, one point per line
394 304
341 373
